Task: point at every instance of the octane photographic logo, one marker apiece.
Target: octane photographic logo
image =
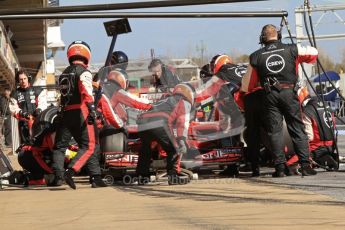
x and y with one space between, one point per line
275 63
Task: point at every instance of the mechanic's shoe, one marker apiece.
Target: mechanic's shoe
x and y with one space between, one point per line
288 171
295 169
307 170
230 171
255 172
18 177
327 161
278 174
143 180
246 168
69 173
280 170
174 179
97 182
40 182
56 182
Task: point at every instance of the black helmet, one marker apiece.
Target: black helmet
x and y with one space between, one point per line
205 72
119 59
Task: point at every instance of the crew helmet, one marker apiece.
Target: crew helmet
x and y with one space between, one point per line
120 59
79 50
120 77
218 61
186 90
205 72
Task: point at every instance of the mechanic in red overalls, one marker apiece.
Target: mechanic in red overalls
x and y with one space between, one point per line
157 124
77 117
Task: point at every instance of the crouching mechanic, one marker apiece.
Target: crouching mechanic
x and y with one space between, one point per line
77 118
35 160
319 127
320 130
157 124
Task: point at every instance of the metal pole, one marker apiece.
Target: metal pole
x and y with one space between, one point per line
237 14
322 8
110 51
116 6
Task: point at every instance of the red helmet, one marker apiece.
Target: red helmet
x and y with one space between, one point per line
186 90
120 77
79 50
218 61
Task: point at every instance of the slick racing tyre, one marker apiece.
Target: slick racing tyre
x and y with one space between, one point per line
112 140
43 124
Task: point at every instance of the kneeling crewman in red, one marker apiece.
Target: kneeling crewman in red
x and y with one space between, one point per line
78 116
157 124
320 130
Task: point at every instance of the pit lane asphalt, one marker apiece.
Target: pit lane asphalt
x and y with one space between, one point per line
326 183
209 203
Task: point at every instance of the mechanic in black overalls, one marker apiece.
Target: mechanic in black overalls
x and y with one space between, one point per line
78 116
275 66
29 103
163 77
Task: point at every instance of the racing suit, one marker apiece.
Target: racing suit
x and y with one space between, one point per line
275 68
222 85
107 115
158 124
37 160
119 98
319 129
29 101
76 108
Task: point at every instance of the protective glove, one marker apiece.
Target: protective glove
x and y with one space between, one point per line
24 114
91 118
182 146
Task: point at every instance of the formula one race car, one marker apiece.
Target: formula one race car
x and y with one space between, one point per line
210 146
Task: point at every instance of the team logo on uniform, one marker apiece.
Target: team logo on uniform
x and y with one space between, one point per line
275 63
240 71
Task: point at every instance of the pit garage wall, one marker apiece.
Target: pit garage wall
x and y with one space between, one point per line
8 60
8 64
